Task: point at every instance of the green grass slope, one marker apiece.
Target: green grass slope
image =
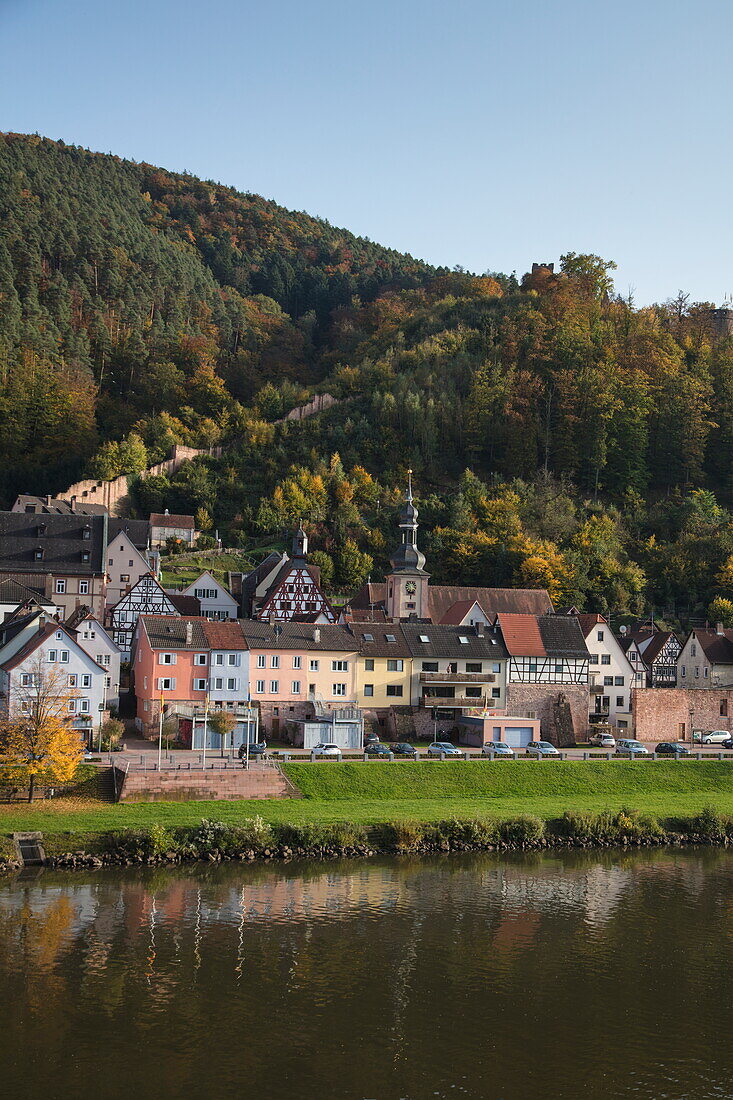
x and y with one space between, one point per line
510 779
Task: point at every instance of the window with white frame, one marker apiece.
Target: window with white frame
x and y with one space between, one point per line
53 655
64 656
166 683
260 687
84 706
166 658
86 680
83 588
261 660
219 659
314 666
200 659
59 635
274 687
295 687
342 666
394 664
339 689
72 680
199 685
107 658
275 660
232 683
60 585
233 659
218 683
72 706
297 662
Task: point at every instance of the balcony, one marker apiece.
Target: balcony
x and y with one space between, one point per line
457 702
457 678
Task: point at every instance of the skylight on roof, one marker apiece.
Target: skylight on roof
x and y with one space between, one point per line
424 638
390 638
368 637
463 639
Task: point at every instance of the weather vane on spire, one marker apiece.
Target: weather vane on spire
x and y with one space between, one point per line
409 485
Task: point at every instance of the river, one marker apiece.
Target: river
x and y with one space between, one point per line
581 975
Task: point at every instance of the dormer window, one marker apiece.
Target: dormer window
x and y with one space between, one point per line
85 555
41 530
38 553
86 531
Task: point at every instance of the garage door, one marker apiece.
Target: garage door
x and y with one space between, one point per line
517 736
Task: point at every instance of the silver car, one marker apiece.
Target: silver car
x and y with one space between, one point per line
715 737
629 747
497 748
541 748
602 741
326 748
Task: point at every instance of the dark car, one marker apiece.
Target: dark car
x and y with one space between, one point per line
256 748
403 749
376 748
671 748
727 744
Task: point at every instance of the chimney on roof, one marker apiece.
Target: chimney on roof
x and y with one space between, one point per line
189 633
271 618
480 629
41 623
718 628
317 634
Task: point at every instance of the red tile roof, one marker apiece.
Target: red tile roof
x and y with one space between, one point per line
521 635
159 519
224 635
455 614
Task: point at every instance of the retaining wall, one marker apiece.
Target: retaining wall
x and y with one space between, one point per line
259 781
665 714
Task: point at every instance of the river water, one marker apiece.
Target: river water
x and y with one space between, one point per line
583 976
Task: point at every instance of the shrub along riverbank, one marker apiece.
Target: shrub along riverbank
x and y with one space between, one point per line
358 809
253 838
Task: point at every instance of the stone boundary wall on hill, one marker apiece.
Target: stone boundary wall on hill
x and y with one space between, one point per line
665 714
114 494
320 402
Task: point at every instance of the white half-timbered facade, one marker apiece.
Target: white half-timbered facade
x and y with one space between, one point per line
544 649
147 597
296 594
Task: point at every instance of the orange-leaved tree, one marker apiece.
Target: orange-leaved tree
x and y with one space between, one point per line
37 737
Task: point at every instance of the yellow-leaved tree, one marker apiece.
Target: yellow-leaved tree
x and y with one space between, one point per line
37 740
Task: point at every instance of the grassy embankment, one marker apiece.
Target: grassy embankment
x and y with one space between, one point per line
376 793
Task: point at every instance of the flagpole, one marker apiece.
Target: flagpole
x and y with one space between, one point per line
160 732
206 728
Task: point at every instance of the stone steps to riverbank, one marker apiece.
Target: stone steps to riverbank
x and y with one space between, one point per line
256 782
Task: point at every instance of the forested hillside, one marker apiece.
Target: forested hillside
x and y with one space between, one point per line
559 435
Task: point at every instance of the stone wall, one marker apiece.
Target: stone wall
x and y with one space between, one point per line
320 402
561 709
665 714
259 781
113 494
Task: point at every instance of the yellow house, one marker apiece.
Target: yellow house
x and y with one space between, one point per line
383 666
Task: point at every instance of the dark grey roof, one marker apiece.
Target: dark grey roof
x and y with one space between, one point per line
137 530
562 636
168 631
371 639
78 615
295 635
50 505
445 641
12 591
61 539
255 576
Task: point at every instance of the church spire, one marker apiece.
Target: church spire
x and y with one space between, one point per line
300 543
407 555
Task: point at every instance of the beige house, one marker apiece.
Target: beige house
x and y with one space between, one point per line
383 665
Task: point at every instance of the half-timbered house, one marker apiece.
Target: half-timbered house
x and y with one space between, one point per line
147 597
292 591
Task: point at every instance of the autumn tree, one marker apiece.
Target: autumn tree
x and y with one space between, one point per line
38 736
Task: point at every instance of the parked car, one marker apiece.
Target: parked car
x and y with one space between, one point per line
629 747
403 749
716 737
376 748
326 748
497 748
727 744
541 748
446 747
371 738
671 748
602 741
256 748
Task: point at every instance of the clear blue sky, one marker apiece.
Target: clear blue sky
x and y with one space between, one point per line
473 132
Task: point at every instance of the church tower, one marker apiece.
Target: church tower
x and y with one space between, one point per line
300 544
407 581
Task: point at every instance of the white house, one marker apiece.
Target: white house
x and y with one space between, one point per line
13 594
126 564
52 652
611 674
94 640
216 601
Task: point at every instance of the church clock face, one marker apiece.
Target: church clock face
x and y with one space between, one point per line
410 588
